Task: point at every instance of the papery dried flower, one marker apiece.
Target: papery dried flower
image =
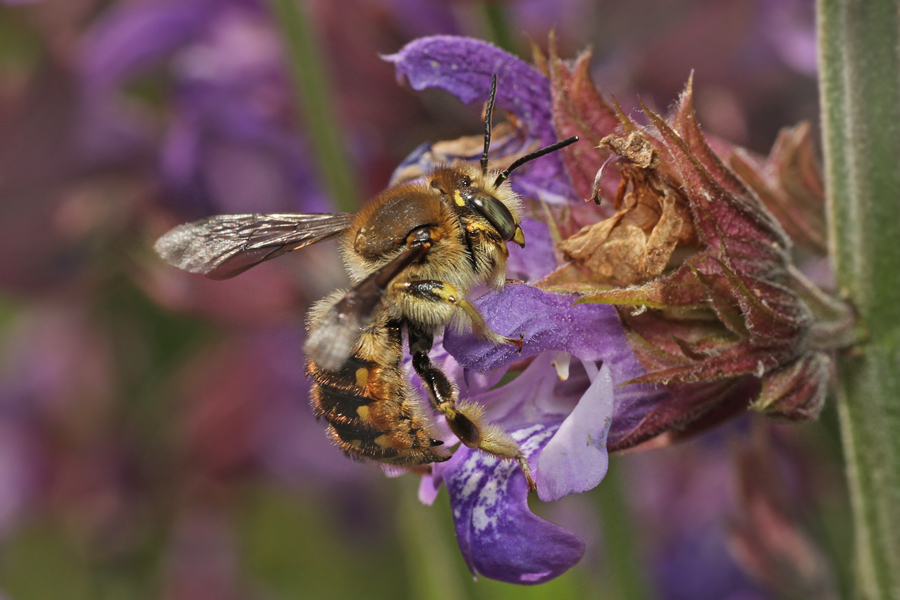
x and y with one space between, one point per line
651 219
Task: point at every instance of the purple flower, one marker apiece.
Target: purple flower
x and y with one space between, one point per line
561 424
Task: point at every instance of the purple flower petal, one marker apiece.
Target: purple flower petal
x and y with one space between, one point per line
536 396
562 429
464 67
498 534
429 486
548 322
575 459
537 259
552 322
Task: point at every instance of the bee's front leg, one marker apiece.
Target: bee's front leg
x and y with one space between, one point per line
448 301
464 420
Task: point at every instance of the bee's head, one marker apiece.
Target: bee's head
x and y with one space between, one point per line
473 189
469 189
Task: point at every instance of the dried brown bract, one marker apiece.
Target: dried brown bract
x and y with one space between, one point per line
635 244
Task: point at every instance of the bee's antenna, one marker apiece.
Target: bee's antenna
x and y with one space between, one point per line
487 125
504 175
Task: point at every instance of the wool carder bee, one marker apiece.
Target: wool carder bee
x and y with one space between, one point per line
413 254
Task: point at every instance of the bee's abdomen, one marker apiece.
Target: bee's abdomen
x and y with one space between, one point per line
372 414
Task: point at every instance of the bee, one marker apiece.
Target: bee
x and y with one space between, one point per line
413 254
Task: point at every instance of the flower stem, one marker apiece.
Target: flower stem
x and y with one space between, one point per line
315 104
860 71
623 554
498 26
433 563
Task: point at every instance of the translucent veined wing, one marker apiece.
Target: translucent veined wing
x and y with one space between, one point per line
223 246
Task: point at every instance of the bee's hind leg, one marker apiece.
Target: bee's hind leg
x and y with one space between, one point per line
466 421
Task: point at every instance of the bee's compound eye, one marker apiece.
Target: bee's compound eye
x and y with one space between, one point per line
496 213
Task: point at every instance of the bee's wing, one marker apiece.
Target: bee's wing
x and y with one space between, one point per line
227 245
334 336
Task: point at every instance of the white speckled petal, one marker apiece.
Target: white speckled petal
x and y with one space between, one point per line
498 534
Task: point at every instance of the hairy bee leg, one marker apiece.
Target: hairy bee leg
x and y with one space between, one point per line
440 291
466 421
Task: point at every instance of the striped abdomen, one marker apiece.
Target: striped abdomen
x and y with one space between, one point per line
370 410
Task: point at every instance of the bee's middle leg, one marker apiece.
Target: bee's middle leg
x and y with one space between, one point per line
464 420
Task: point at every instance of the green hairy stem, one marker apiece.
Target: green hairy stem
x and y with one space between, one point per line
859 50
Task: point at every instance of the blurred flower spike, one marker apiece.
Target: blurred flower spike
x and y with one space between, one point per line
690 263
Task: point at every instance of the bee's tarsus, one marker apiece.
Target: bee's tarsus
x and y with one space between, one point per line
517 342
526 469
465 420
